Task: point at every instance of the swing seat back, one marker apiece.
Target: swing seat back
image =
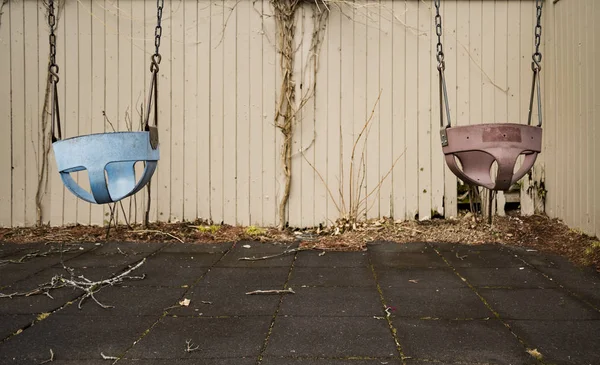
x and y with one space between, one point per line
109 159
477 147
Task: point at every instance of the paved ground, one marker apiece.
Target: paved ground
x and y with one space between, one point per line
394 304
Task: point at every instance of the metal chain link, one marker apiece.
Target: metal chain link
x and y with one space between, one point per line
537 55
156 57
438 32
53 67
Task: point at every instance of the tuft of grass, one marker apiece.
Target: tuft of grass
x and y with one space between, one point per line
254 231
535 353
208 229
594 247
42 316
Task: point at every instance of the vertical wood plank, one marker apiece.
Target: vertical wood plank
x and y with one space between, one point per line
399 85
17 97
322 127
229 135
455 83
257 124
437 174
124 105
70 113
464 64
84 87
270 90
216 111
548 78
412 115
33 154
178 156
139 73
362 105
165 118
346 107
98 65
333 63
305 129
373 70
43 50
424 113
204 109
243 143
5 117
386 112
500 77
190 118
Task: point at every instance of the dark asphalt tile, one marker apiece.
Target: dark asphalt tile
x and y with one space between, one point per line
585 282
385 247
561 342
419 278
127 302
447 247
232 258
216 337
78 362
36 304
316 258
511 277
184 259
215 301
479 341
331 337
316 361
264 247
332 301
460 303
482 258
223 361
9 248
11 274
197 247
540 259
348 277
117 261
255 278
175 275
537 304
74 337
10 323
402 260
128 248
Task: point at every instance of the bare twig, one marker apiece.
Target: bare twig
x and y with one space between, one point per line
87 286
271 256
50 359
29 256
159 232
106 357
190 346
286 291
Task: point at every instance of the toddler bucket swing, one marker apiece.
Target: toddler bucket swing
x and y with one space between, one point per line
478 146
109 158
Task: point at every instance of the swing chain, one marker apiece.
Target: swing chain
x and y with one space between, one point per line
536 66
156 57
537 55
53 67
442 79
438 32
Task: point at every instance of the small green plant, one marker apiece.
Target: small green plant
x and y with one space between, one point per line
212 229
594 247
254 231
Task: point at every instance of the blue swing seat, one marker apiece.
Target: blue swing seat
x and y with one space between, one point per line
109 159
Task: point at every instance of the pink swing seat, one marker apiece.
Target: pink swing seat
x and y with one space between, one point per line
477 147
